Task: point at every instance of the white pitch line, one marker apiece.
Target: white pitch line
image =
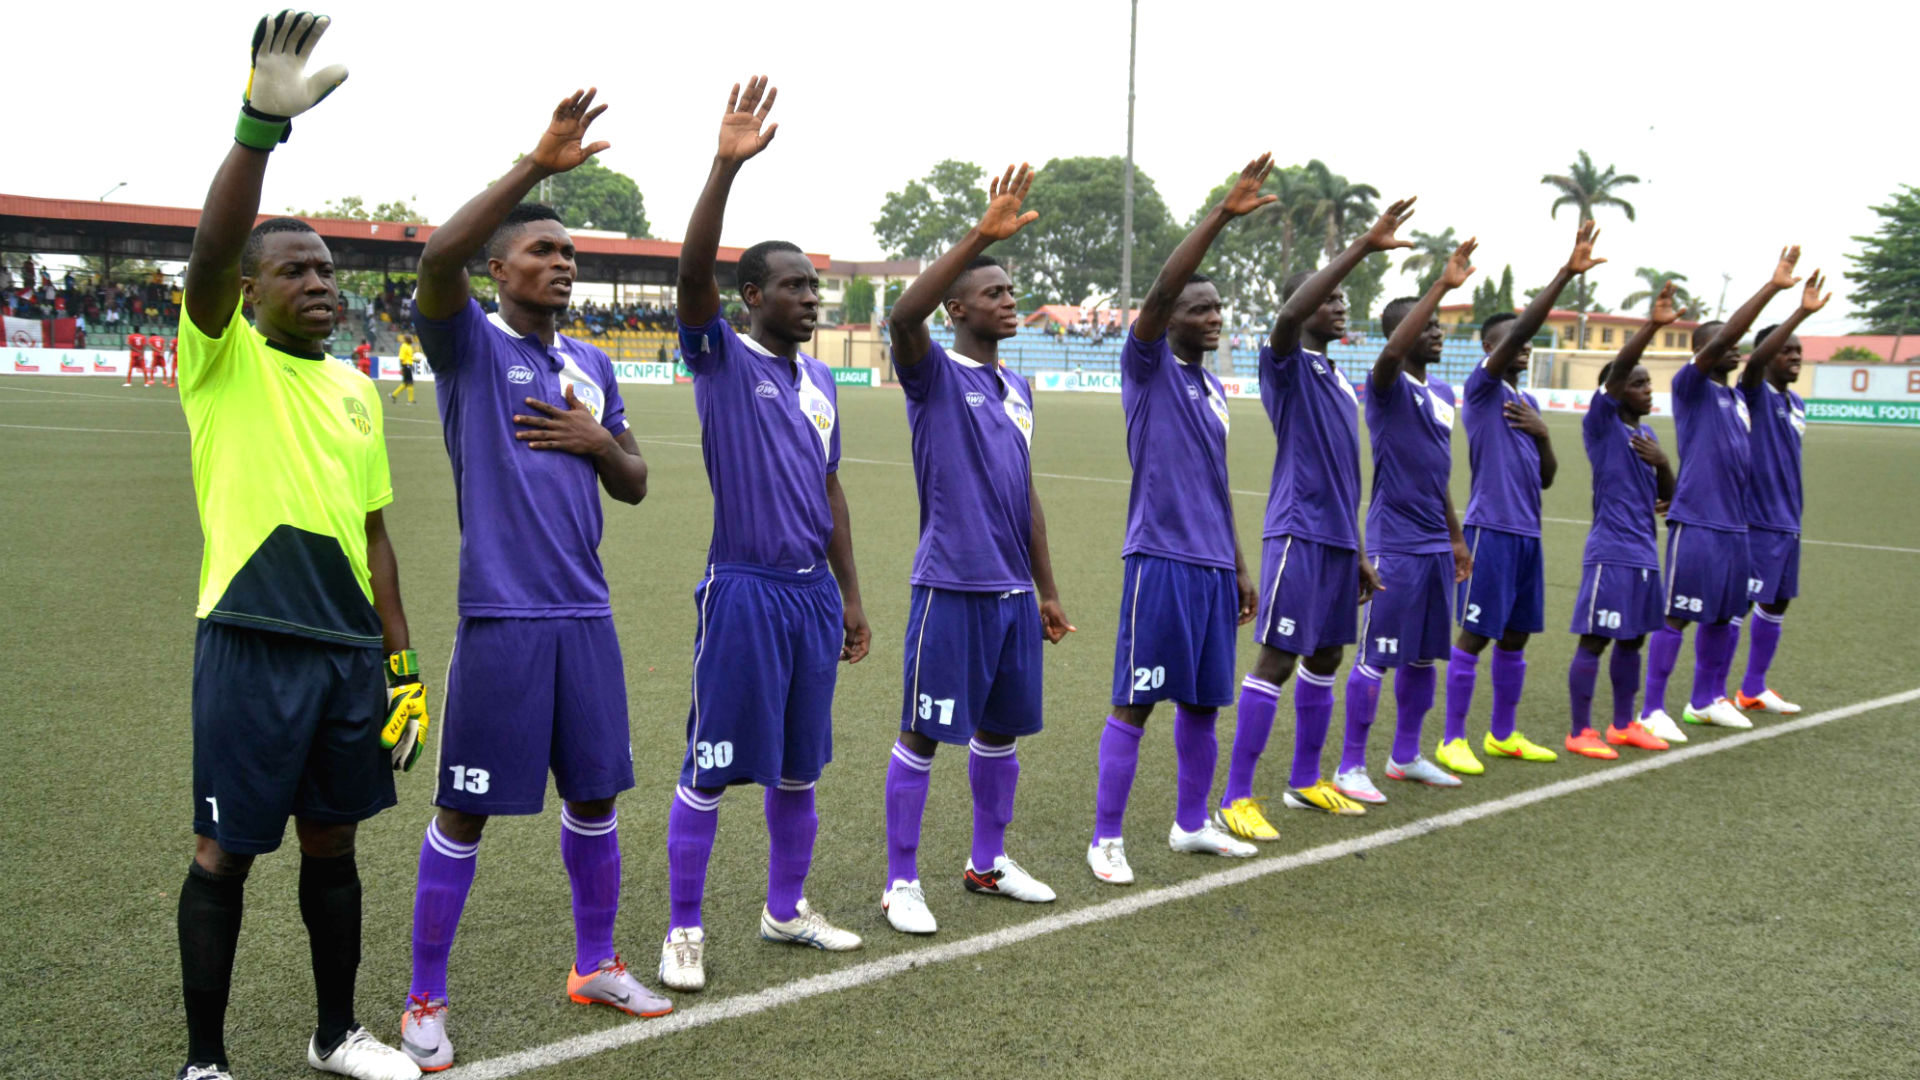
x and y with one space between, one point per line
744 1005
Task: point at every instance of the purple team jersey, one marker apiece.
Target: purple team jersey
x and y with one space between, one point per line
1779 423
1411 425
1316 462
1180 506
769 433
972 432
1716 460
530 520
1506 461
1624 489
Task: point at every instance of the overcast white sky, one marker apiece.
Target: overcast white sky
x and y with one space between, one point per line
1750 126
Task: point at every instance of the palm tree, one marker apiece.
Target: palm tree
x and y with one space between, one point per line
1429 255
1336 202
1653 281
1585 187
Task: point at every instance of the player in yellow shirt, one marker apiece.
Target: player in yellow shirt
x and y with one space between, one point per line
299 589
408 357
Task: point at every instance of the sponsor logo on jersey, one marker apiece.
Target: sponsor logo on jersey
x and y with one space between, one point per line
975 399
766 389
519 376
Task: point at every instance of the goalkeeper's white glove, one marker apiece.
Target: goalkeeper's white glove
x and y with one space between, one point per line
405 733
277 87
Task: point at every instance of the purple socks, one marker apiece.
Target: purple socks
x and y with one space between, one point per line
1412 696
1712 657
1624 671
1765 629
1253 722
1312 716
792 825
1662 653
1582 674
1119 756
1363 701
446 873
691 824
590 850
906 802
1509 679
1196 750
1463 670
994 772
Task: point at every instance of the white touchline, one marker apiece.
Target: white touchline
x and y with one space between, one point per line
873 971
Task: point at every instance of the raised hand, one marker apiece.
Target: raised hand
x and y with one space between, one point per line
1648 450
1380 236
1810 298
1783 273
559 148
741 136
278 87
1004 196
1459 264
1663 310
1582 259
1245 197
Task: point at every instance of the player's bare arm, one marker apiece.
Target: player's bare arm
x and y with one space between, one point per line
384 570
1665 313
1462 555
1156 310
1369 577
1742 319
1243 583
1530 320
744 132
840 558
1053 618
575 430
1407 335
277 91
443 262
1811 301
907 321
1308 298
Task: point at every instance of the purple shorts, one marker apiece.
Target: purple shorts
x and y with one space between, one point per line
1178 625
1307 595
1618 602
1709 574
765 659
1776 565
525 696
1506 589
972 663
1410 618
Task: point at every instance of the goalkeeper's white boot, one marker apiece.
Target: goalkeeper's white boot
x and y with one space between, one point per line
363 1057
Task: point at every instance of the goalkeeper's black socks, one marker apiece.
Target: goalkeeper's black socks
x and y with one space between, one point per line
330 906
209 929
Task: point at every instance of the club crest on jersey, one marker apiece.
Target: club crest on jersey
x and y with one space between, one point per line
1442 411
357 412
975 399
586 393
1020 414
519 376
766 389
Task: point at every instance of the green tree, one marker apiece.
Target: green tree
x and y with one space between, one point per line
1486 301
355 208
857 306
1429 255
1505 295
1364 287
1342 209
933 213
1652 280
1586 187
1886 273
1578 297
1073 250
1255 255
592 196
1854 354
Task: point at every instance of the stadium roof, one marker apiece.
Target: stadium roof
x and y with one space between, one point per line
130 230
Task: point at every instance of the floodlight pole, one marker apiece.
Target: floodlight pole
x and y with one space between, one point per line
1126 205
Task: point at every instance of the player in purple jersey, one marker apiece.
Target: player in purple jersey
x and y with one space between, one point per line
1619 597
1709 579
1413 534
1183 560
1774 499
1512 457
1312 563
535 427
774 623
972 666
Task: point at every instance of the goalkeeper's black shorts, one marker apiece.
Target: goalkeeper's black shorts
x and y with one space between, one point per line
284 725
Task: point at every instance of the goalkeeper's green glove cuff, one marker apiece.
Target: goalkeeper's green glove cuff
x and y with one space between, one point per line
403 666
261 131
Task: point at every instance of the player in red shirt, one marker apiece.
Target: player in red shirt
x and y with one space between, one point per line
157 366
363 357
173 362
137 358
